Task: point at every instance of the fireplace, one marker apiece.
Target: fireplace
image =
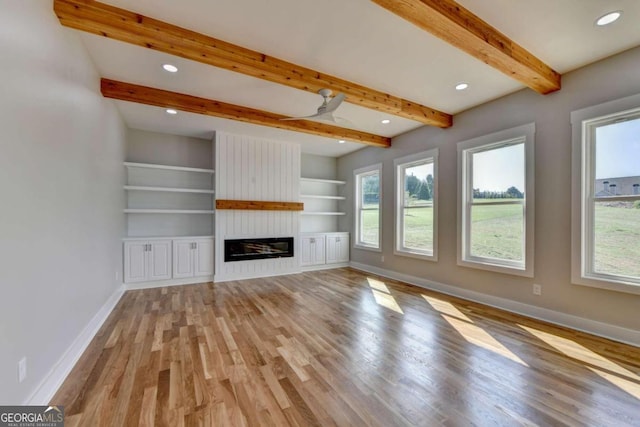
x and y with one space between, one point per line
250 249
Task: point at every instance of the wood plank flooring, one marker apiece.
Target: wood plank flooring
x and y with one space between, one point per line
341 347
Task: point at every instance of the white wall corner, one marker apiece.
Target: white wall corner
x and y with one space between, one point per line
605 330
45 391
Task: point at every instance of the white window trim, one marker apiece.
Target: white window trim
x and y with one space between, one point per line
357 244
526 133
582 195
399 165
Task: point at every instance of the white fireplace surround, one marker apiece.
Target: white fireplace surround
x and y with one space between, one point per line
250 168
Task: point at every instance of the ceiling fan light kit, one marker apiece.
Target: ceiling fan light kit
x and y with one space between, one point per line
325 111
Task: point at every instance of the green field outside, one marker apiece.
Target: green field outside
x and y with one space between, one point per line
617 240
497 233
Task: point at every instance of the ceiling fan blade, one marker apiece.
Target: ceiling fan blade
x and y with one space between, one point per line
299 118
334 103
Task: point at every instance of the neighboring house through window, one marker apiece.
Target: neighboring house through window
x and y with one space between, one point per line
606 195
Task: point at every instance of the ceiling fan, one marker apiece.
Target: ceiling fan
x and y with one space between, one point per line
325 111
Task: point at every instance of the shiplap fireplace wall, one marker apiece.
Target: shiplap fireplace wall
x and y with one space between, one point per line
249 168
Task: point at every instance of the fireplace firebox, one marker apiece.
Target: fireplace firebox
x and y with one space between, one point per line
251 249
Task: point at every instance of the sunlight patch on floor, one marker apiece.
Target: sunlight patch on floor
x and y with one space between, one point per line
445 307
577 351
478 336
383 296
580 352
629 386
378 285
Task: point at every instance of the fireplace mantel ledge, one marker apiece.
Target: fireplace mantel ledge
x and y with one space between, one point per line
258 205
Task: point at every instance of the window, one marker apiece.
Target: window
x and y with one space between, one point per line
606 206
495 211
416 205
368 215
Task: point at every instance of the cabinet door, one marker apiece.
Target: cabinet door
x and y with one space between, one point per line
305 250
337 249
203 257
182 259
160 260
318 251
135 264
312 249
343 248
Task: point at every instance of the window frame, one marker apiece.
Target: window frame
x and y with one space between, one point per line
400 165
583 123
358 174
520 134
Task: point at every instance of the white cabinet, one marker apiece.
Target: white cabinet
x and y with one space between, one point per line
203 258
150 260
313 249
192 258
324 250
147 260
337 248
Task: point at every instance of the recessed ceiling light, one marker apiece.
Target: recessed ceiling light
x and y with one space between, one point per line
170 68
385 121
462 86
608 18
171 111
341 141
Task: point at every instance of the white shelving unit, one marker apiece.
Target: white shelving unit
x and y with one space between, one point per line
167 189
169 225
171 201
322 213
322 245
167 167
169 211
321 198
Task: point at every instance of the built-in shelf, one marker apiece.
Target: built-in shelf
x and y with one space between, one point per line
169 211
167 189
322 204
315 196
322 213
166 167
326 181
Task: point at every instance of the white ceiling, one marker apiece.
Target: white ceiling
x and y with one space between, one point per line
357 41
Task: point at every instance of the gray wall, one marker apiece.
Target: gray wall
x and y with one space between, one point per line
164 149
613 78
321 167
61 178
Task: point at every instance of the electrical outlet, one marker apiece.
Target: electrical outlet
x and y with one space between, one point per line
22 369
537 289
382 258
117 275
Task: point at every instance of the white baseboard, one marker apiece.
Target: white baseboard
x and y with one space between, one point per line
226 278
605 330
325 266
43 394
170 282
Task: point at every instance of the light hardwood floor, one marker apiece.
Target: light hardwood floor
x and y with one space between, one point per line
341 347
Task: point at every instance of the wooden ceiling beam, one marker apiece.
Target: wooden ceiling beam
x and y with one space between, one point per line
119 24
192 104
459 27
